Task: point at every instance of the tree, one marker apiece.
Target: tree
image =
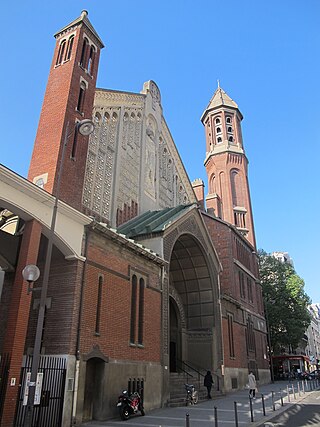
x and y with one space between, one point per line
286 302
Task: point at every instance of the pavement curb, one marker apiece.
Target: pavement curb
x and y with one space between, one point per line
280 411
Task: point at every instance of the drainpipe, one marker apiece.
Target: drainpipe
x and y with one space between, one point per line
77 354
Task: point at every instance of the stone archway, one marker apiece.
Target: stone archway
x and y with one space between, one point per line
93 390
193 290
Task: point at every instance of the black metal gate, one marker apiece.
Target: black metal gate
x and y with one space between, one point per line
4 372
48 405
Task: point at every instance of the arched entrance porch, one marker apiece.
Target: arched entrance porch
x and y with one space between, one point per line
193 306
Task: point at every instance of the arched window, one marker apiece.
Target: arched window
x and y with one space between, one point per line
91 60
218 121
141 311
81 97
228 120
97 117
236 188
106 117
134 289
99 302
218 130
69 48
83 61
213 184
61 52
219 140
230 139
229 129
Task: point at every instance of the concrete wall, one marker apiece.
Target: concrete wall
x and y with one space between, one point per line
115 379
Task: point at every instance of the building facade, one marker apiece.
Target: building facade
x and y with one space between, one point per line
147 275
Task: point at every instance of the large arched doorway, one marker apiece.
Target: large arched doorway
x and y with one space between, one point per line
193 299
93 393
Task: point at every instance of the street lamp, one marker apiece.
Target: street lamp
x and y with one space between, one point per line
31 274
84 127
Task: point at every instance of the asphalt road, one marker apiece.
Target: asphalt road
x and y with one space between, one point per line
303 414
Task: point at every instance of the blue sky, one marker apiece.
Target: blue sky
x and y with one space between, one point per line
266 55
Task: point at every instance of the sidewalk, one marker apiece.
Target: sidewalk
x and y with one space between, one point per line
221 412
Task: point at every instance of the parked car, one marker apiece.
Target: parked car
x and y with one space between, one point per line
314 375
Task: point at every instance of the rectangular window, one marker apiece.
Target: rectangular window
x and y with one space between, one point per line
230 335
249 286
241 284
251 341
98 312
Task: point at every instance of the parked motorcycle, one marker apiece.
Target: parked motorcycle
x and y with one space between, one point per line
129 405
192 394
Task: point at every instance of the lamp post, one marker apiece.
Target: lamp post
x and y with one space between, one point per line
84 127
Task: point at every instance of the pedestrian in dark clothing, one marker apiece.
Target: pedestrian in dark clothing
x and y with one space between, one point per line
208 382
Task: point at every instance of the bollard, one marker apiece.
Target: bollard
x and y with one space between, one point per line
215 416
303 387
263 405
299 388
251 409
236 414
273 404
293 392
288 393
187 420
281 397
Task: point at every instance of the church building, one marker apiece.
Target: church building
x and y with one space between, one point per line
149 278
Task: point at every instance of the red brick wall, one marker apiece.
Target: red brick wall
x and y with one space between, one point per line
114 263
225 241
59 108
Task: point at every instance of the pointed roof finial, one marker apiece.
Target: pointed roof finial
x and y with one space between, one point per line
218 83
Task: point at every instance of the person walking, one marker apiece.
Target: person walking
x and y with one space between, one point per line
252 385
208 382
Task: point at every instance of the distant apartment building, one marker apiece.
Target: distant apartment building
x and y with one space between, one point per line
313 335
283 257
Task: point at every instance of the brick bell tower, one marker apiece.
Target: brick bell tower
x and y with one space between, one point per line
68 100
227 165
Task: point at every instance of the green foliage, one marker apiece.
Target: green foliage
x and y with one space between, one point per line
285 302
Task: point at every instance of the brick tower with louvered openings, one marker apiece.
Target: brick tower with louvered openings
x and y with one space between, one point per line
227 165
68 99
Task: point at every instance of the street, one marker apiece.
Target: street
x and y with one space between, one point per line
301 414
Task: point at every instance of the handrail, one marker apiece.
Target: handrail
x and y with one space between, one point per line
190 367
198 372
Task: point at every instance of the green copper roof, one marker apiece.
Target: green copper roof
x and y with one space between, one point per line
152 221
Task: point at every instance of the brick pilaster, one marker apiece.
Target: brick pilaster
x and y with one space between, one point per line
15 337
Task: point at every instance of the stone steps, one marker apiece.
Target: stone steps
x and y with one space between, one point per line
178 392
